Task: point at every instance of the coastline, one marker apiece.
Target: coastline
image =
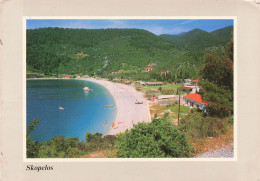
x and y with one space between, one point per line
128 113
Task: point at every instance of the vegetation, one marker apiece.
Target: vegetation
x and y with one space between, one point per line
196 125
156 139
217 82
199 40
32 147
159 90
60 147
206 133
55 51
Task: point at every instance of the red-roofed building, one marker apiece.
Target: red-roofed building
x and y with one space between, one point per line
148 69
194 101
163 73
67 76
195 82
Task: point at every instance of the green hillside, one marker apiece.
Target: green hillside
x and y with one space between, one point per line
102 51
52 50
198 39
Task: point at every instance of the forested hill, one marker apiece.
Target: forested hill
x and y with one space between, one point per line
80 50
198 39
102 51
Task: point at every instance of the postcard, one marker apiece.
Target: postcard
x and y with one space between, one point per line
96 96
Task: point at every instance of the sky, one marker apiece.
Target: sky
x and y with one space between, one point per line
156 26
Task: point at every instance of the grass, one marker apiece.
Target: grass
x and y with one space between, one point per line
212 143
172 110
168 89
102 154
175 108
169 86
207 133
204 133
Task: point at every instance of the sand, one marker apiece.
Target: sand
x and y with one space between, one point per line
127 112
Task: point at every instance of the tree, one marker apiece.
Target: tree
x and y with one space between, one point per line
32 147
156 139
217 82
93 138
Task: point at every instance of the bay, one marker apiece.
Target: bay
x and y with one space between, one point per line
83 112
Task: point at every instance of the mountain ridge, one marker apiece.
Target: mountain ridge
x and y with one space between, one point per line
102 51
199 39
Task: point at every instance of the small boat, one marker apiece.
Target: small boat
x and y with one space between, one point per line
109 106
61 108
86 88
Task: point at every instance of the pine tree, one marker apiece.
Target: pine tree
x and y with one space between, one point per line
217 82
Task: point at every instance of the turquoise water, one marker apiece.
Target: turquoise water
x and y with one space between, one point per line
83 111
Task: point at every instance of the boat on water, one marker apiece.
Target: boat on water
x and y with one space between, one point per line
86 88
61 108
109 106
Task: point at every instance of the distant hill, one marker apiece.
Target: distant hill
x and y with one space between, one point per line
90 50
198 39
129 51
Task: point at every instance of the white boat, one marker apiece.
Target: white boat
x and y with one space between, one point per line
86 88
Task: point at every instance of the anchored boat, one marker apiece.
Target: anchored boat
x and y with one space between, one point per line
86 88
109 106
61 108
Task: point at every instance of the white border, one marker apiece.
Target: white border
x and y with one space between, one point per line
128 159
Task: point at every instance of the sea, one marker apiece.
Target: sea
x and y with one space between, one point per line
83 111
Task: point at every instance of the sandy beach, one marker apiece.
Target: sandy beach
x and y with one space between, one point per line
128 113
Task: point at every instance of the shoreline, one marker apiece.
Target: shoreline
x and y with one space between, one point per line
128 113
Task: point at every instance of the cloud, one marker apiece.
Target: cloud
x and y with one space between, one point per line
178 30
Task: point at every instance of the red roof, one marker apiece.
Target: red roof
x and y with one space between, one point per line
196 97
148 68
67 76
195 81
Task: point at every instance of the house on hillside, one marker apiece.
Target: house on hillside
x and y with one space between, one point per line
194 101
195 82
165 72
67 76
187 81
148 69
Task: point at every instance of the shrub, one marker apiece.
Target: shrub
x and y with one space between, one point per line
197 126
168 91
150 140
